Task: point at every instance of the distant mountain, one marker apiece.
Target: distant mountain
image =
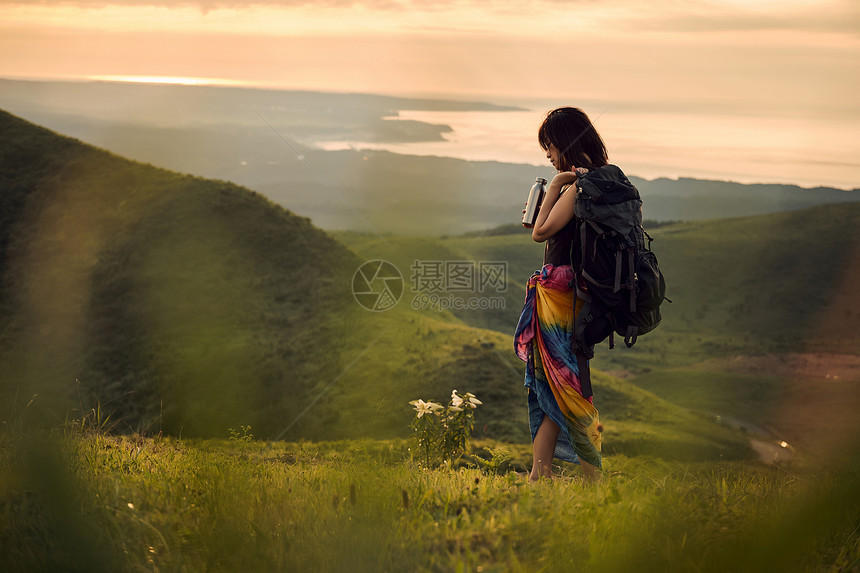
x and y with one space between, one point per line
262 139
187 306
686 199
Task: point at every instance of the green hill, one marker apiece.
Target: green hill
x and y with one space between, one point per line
754 299
147 289
190 306
753 285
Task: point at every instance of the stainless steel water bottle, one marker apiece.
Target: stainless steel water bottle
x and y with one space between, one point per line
536 194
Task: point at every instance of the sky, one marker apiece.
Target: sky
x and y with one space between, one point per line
758 90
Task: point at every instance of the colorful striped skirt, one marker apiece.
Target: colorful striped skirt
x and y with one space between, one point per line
543 340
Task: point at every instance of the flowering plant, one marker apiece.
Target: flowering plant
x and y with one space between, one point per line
442 432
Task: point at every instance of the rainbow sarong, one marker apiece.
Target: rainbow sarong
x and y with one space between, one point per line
543 340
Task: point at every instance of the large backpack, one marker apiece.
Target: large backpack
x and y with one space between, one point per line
615 271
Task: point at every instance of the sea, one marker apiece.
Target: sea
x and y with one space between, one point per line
809 148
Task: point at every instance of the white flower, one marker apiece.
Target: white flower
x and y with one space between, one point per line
456 400
423 407
456 408
474 401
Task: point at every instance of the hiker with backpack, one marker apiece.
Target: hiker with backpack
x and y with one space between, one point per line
598 277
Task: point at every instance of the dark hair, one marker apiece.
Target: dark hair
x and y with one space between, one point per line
571 132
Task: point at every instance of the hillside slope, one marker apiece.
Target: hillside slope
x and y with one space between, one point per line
750 296
190 306
148 290
769 283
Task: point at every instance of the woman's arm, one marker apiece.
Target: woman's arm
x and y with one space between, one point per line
555 212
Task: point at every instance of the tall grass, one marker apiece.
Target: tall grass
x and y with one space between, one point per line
94 502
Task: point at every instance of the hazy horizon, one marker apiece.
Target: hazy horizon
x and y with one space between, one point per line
651 141
742 91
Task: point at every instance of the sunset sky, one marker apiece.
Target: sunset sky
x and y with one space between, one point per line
774 76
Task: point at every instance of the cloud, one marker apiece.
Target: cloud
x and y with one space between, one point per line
847 22
210 5
600 20
383 5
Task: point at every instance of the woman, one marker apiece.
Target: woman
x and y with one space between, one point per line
564 423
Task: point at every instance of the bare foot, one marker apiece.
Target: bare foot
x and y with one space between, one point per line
535 477
590 474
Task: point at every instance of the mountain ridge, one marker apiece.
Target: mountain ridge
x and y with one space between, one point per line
267 142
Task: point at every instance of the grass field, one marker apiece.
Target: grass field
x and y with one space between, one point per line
90 502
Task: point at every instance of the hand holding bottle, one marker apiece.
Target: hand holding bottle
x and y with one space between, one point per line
536 194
